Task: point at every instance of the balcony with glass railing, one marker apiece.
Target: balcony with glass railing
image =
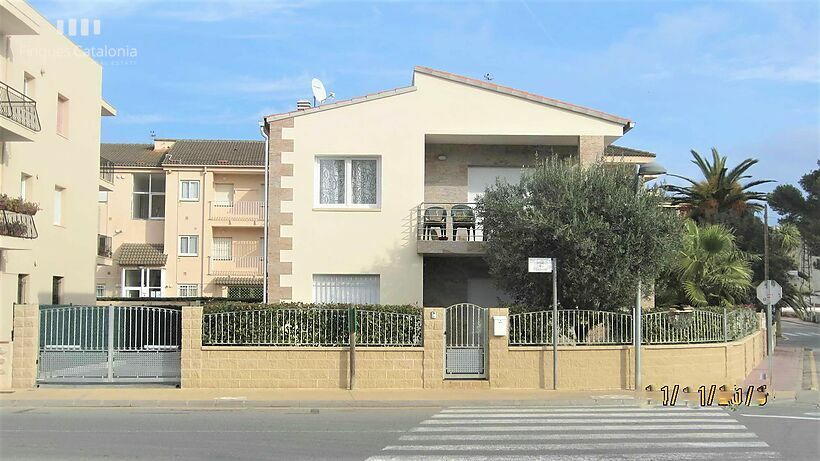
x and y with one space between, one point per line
18 107
449 229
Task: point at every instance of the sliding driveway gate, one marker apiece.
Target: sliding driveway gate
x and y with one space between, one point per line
109 344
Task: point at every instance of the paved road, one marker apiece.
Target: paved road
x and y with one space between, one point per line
806 335
408 434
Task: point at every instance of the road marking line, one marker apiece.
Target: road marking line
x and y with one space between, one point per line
782 417
680 456
576 446
658 414
607 436
565 428
571 421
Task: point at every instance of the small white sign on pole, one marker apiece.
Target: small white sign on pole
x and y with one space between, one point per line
769 292
540 264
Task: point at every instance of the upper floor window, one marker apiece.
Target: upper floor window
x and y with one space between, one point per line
62 115
58 205
149 196
347 182
28 85
188 245
189 191
25 186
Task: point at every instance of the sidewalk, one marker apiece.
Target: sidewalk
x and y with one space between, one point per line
276 398
787 375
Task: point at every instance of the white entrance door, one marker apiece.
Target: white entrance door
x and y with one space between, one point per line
479 178
143 282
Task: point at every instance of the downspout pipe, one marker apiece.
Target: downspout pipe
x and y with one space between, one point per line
267 215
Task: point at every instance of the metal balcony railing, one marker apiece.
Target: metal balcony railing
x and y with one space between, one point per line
104 246
235 265
448 221
18 107
18 225
107 170
242 210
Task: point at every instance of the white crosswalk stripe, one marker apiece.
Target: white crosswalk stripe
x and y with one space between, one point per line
578 434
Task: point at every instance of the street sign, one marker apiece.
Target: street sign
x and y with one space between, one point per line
540 264
769 292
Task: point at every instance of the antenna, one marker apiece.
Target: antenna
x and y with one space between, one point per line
319 93
153 134
488 77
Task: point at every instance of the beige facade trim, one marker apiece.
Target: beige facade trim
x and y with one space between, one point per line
347 102
279 146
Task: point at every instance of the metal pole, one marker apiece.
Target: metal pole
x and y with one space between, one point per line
769 332
110 343
554 323
725 327
351 320
637 338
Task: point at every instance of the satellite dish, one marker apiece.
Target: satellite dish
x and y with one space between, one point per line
319 92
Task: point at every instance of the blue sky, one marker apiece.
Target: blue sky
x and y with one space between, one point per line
740 76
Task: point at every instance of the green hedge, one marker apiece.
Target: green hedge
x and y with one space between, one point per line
216 306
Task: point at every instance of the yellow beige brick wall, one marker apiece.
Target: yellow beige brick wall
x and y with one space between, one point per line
516 367
25 345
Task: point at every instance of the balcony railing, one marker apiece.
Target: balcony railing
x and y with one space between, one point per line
17 225
18 107
243 210
235 265
107 170
449 221
104 246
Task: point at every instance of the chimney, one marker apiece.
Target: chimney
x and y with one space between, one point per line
302 104
163 145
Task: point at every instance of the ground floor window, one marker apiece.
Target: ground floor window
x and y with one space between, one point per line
100 291
346 288
187 290
56 290
143 282
245 291
22 288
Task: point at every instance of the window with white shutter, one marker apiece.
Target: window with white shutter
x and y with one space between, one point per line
353 289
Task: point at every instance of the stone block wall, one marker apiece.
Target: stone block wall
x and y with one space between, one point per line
25 346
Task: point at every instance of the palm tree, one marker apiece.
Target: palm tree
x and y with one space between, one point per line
719 190
711 269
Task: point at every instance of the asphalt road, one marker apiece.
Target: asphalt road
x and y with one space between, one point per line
777 431
806 335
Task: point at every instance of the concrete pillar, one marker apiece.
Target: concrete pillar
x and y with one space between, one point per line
590 149
498 346
26 345
191 366
433 347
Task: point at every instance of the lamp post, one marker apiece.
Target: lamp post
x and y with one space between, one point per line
642 171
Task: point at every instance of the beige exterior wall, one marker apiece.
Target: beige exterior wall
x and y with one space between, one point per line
66 249
182 217
396 129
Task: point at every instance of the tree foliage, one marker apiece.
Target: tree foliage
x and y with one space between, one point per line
720 190
711 270
604 235
799 210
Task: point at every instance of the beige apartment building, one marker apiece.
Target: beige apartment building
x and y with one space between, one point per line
184 218
371 198
50 108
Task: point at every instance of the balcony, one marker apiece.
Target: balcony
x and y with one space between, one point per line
449 229
104 250
243 213
19 108
239 266
106 175
17 230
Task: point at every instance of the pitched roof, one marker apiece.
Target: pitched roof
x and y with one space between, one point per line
216 152
131 154
141 254
620 151
243 281
628 124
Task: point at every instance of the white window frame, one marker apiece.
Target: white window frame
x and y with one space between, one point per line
184 290
144 289
189 198
215 249
187 246
343 286
348 204
100 290
152 195
63 111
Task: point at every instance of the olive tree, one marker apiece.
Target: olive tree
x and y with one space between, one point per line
605 234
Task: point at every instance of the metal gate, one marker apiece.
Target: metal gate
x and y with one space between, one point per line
465 350
109 344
